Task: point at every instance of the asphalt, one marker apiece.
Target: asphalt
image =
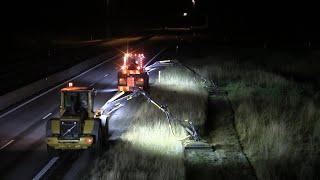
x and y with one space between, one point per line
22 144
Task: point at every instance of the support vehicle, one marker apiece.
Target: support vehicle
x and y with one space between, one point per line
132 74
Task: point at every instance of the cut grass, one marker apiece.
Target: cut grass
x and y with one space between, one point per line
277 119
148 149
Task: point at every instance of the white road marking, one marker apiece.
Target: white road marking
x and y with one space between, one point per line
46 92
46 168
85 72
47 116
7 144
106 75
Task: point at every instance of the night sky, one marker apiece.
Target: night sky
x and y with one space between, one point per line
258 18
90 12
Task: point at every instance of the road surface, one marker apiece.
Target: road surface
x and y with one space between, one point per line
22 143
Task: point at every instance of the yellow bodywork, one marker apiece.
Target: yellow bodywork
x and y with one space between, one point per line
88 126
83 142
55 126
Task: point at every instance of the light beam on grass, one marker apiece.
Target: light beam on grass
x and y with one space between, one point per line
155 139
180 80
149 149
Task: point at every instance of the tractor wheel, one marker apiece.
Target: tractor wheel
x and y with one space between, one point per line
106 134
96 148
52 151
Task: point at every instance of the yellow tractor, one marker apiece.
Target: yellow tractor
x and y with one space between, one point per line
77 127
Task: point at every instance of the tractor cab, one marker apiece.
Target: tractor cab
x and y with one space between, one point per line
76 101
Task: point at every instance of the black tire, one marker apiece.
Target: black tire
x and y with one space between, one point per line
52 152
104 133
106 137
105 129
96 148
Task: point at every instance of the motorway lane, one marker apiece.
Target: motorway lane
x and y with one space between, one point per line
25 128
29 121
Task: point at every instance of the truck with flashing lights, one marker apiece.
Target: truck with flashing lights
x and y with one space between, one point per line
132 73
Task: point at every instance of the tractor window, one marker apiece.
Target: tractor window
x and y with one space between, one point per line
75 102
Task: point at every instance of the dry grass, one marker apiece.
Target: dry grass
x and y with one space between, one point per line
277 119
148 150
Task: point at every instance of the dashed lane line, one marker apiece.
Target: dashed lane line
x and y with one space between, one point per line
7 144
45 117
46 168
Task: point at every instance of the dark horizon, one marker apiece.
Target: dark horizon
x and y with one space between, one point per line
292 22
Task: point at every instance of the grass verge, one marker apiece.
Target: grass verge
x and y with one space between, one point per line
148 149
278 120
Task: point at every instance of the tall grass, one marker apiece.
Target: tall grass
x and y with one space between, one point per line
277 119
148 149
